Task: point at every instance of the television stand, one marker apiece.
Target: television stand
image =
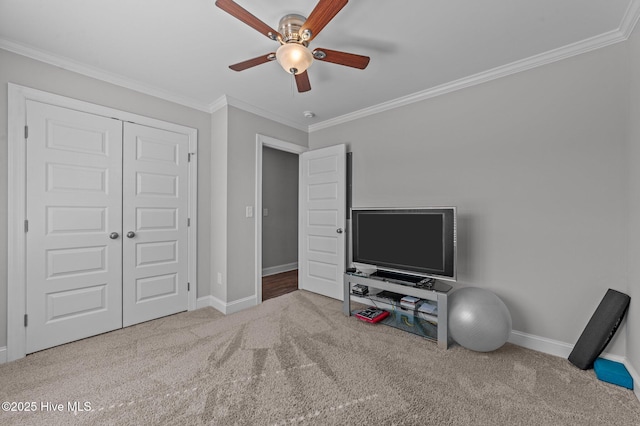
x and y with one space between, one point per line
381 294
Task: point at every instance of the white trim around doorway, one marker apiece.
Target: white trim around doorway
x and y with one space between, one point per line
17 156
266 141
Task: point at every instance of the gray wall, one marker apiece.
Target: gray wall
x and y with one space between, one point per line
27 72
535 163
219 190
633 342
280 197
241 162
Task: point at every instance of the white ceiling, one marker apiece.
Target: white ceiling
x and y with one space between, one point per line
180 50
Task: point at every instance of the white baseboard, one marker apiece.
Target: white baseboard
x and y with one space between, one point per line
272 270
562 349
226 307
218 304
242 304
635 376
541 344
204 302
3 354
551 347
210 301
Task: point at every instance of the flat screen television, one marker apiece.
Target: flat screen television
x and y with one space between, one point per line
414 241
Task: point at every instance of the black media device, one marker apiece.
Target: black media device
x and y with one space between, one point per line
419 242
360 290
600 329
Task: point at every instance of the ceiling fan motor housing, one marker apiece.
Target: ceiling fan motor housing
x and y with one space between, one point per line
289 27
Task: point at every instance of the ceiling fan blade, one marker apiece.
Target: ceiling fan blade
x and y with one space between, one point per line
241 66
303 83
324 12
341 58
237 11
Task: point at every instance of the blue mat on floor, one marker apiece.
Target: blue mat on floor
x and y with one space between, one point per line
613 372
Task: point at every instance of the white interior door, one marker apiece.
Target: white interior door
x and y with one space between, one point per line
155 214
322 220
74 268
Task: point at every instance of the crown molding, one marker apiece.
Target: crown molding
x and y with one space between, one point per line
482 77
630 18
118 80
627 25
219 103
227 100
70 65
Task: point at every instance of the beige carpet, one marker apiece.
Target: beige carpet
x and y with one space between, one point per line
297 359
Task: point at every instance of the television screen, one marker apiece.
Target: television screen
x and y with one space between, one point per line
415 241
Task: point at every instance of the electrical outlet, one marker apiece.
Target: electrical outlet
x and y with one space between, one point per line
219 278
249 211
265 212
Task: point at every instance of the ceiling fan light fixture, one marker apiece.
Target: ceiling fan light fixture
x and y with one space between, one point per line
294 58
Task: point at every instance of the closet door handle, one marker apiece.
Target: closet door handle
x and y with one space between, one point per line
131 234
114 235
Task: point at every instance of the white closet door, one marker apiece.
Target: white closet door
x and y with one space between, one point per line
74 268
155 197
323 211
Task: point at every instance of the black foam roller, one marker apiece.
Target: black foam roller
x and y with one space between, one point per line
600 329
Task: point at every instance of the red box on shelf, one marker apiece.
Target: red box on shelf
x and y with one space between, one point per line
372 314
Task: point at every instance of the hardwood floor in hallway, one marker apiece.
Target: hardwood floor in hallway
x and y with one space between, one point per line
279 284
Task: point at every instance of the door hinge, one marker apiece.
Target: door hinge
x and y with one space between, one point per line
26 319
189 156
188 221
188 286
26 226
26 132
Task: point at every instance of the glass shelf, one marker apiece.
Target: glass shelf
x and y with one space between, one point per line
406 321
392 306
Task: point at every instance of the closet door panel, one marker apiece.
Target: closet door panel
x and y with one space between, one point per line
74 205
155 199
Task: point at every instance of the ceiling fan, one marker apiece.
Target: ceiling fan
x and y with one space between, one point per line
294 35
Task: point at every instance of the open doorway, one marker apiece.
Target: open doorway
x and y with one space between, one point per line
277 221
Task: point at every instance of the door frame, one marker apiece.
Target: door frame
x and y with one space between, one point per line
269 142
17 176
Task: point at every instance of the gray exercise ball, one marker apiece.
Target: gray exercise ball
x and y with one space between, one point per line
478 319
